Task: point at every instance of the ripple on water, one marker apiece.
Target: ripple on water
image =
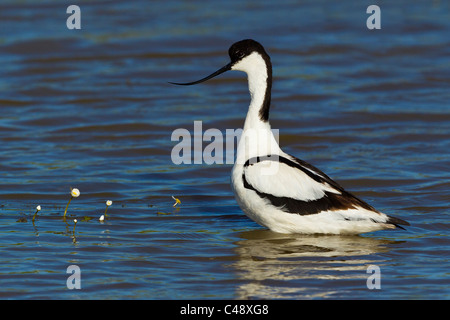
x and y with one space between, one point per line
93 110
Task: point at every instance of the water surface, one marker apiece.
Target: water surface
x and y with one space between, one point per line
92 109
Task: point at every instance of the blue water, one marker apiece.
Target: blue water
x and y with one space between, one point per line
91 109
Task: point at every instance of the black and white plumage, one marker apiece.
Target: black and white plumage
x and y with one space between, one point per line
277 190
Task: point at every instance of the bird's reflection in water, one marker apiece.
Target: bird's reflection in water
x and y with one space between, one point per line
273 265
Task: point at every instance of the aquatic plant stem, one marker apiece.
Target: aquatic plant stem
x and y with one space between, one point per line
38 208
67 207
108 203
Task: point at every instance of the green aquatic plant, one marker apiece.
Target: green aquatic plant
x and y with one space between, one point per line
74 239
162 213
177 201
103 216
74 193
38 208
108 204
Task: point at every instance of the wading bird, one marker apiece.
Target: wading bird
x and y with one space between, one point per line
277 190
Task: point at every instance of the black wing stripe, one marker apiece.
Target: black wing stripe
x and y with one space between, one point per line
330 201
286 161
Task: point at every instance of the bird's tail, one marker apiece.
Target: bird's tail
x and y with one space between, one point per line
397 222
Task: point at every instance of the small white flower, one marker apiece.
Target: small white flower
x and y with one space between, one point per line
38 208
73 231
102 218
108 203
75 193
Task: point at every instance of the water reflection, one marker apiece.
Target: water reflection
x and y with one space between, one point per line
274 265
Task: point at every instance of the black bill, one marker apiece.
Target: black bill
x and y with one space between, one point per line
220 71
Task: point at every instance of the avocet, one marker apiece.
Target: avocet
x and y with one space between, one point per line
277 190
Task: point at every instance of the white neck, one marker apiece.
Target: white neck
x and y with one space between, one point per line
257 138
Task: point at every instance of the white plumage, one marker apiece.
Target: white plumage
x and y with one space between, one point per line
285 181
277 190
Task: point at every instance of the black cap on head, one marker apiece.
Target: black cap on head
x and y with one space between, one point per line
237 51
244 48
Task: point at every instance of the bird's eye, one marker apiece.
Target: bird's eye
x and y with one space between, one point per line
238 54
